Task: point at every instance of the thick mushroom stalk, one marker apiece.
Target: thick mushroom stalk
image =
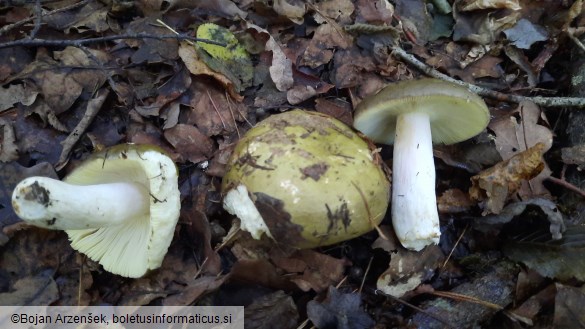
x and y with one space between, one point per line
405 114
57 205
414 204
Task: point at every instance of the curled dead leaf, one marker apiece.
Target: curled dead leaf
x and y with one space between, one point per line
469 5
495 185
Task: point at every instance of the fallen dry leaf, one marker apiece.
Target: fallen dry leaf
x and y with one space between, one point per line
514 136
569 303
275 310
281 66
548 207
494 186
574 155
454 201
212 110
189 142
291 9
336 108
378 11
408 269
172 89
560 259
16 94
528 310
525 33
58 87
31 291
468 5
339 10
327 39
340 310
8 147
44 256
220 7
151 50
311 270
196 66
305 87
480 28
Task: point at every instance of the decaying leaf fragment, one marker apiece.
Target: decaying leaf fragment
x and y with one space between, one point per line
232 60
574 155
549 208
408 269
281 68
495 185
560 259
197 66
340 310
468 5
8 147
569 303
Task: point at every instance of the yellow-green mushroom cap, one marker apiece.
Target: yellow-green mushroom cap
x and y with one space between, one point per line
455 113
309 181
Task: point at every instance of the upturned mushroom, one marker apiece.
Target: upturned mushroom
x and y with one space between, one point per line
305 180
412 115
119 207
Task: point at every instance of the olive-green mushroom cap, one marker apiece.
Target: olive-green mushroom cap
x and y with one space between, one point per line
313 180
455 113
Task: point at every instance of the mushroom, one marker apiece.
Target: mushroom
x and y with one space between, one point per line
119 207
305 179
412 115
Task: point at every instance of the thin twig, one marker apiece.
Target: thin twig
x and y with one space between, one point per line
465 298
38 19
367 205
239 112
7 28
229 105
79 42
366 274
216 109
454 246
92 110
566 185
538 100
403 302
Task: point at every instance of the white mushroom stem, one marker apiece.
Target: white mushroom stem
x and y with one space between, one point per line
53 204
414 203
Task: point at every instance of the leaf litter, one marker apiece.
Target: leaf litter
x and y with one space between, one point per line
193 103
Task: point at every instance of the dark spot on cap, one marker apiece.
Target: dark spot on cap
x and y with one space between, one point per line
314 171
337 216
51 221
278 220
35 192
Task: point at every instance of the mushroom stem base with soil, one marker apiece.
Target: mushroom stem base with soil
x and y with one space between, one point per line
414 205
54 204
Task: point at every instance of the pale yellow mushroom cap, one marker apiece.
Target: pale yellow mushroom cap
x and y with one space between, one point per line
140 244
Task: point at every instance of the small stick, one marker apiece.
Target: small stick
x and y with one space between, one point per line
538 100
566 185
79 42
93 107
